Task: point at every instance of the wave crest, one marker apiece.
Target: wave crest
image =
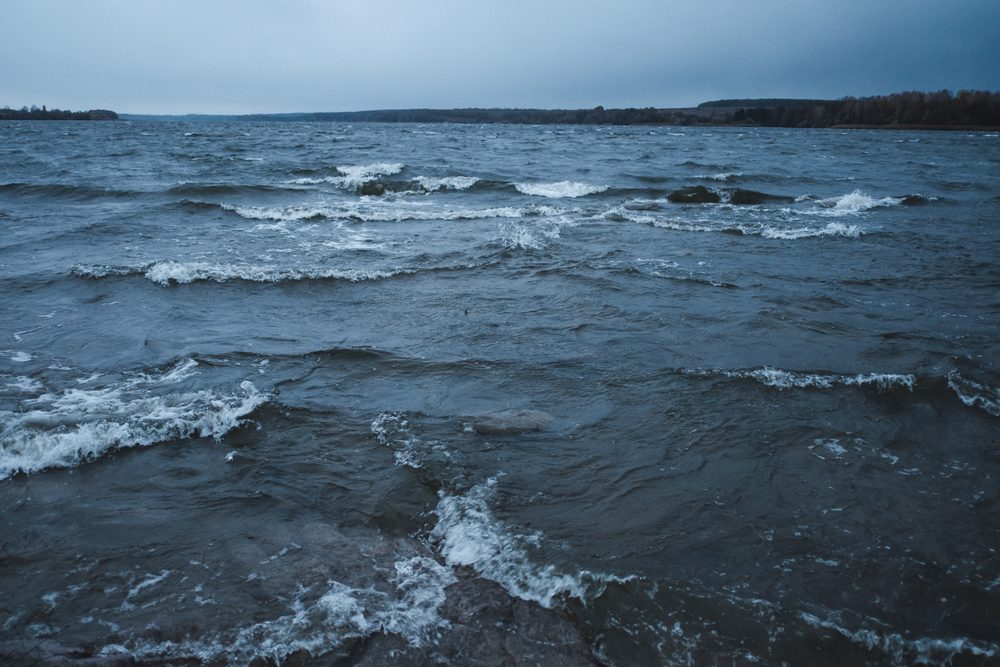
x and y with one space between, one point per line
171 272
78 425
560 190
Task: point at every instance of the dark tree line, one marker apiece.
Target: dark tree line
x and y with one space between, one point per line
913 109
968 108
42 113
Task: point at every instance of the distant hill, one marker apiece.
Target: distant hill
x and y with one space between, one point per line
36 113
767 103
910 110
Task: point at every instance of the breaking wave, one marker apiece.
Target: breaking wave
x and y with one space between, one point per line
78 425
354 176
409 608
520 236
467 534
433 184
904 651
974 394
388 211
782 379
853 203
633 213
171 272
560 190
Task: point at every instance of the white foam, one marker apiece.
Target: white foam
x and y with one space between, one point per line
25 384
383 210
468 534
974 394
854 203
20 357
781 379
560 190
169 272
354 176
722 176
284 214
903 651
622 213
409 609
432 184
391 429
148 582
514 235
78 425
832 229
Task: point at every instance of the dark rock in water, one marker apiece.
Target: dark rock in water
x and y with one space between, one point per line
915 200
512 421
372 188
696 194
741 196
488 627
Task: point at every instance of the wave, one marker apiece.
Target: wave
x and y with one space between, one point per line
78 425
852 203
974 394
782 379
724 176
355 176
901 651
641 215
172 272
389 211
433 184
210 189
831 229
410 609
560 190
467 534
63 191
519 236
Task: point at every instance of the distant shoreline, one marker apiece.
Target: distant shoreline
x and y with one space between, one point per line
35 113
970 111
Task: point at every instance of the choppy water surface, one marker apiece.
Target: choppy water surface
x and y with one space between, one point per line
283 390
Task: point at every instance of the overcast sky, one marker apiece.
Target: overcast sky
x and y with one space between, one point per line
246 56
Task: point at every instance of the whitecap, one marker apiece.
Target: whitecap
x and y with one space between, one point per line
974 394
560 190
392 430
410 609
64 430
467 534
782 379
168 272
432 184
380 210
354 176
853 203
25 384
832 229
902 650
514 235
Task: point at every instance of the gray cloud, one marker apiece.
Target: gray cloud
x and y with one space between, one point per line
175 56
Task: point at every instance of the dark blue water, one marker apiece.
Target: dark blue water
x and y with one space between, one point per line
301 391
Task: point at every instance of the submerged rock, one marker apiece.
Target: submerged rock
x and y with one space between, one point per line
696 194
487 627
512 421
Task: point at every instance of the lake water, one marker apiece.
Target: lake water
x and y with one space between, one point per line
441 393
